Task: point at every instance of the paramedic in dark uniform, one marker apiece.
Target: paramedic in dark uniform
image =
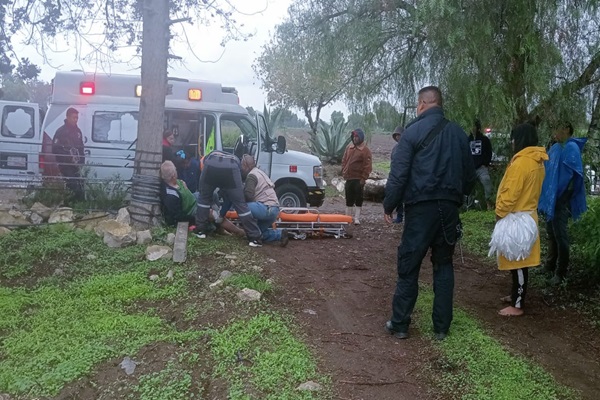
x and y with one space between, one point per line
67 147
223 170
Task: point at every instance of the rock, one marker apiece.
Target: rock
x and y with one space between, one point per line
257 268
220 253
215 284
249 295
375 189
91 257
64 214
225 275
128 365
123 216
17 214
5 396
170 239
309 386
156 252
144 237
271 260
118 235
230 257
376 175
338 183
153 277
4 231
36 219
59 272
170 275
90 221
108 225
270 281
6 218
41 210
309 311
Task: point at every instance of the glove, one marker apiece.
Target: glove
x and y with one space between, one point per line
181 154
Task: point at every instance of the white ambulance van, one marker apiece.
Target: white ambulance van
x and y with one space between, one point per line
20 142
203 115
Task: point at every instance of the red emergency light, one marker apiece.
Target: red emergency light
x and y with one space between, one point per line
293 168
87 88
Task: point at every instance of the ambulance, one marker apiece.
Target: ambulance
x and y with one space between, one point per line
204 116
20 141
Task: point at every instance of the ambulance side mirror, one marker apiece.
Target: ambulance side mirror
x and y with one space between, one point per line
281 145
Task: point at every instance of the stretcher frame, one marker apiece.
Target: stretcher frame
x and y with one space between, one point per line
302 223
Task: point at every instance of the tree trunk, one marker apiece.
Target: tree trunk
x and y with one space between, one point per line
311 123
145 199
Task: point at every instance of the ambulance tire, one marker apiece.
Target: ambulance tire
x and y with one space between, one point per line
290 195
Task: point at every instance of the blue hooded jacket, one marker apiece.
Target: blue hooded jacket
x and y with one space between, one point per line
564 167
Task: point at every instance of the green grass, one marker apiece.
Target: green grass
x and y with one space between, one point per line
382 166
261 359
174 382
249 281
474 366
477 231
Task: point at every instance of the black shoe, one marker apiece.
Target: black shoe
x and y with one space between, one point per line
397 334
255 243
200 234
284 238
440 336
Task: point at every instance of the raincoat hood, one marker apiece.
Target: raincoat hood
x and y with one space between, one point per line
360 134
536 153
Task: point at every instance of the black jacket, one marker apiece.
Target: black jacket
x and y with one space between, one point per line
481 150
442 171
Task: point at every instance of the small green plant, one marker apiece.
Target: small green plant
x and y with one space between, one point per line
382 166
330 141
52 193
474 366
477 231
260 358
174 382
250 281
586 240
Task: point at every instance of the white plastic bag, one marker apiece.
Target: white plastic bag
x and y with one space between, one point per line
514 236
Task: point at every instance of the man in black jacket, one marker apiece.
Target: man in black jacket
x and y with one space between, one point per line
431 171
481 151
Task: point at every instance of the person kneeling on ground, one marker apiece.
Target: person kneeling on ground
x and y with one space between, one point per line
222 170
180 204
262 200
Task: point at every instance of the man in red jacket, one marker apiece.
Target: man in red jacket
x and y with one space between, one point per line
67 146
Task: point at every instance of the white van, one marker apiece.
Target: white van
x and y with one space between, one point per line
20 143
203 115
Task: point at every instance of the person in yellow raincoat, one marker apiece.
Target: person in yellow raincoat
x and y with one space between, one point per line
520 191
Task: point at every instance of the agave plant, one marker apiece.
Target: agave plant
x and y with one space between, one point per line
330 141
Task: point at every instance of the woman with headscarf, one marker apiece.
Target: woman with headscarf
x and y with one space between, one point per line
520 191
356 167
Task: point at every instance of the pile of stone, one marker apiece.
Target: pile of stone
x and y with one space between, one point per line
374 186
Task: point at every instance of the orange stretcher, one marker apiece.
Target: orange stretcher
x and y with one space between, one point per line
308 222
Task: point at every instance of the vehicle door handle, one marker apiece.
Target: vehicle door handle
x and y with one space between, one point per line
86 152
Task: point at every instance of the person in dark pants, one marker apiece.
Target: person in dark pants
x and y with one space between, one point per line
68 149
222 170
431 171
481 150
563 196
356 167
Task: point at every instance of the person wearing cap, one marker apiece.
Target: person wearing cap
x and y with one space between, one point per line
356 167
68 148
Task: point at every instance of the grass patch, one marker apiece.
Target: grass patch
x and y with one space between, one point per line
250 281
174 382
477 231
260 358
476 366
382 166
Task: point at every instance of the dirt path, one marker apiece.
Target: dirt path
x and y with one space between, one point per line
350 289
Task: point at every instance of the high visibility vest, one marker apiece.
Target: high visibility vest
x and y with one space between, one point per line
210 142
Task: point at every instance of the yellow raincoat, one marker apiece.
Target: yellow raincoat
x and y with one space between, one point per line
520 191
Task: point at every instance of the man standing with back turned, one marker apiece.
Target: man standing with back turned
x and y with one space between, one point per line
431 171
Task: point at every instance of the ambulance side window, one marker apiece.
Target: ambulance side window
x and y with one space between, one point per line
18 121
109 126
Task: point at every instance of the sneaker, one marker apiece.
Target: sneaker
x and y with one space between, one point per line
284 238
200 235
255 243
356 221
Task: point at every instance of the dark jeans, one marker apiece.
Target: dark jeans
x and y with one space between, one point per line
73 181
557 260
427 224
354 193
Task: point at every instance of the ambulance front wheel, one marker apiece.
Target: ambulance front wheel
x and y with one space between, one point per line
290 196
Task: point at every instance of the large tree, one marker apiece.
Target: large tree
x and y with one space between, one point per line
145 24
298 68
505 61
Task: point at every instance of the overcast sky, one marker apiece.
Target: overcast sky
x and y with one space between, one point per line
206 60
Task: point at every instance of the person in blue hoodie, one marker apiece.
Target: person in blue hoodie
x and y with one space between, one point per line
563 196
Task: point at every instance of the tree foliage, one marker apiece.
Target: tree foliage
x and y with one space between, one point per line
504 61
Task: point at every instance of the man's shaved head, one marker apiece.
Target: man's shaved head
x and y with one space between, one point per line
429 97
